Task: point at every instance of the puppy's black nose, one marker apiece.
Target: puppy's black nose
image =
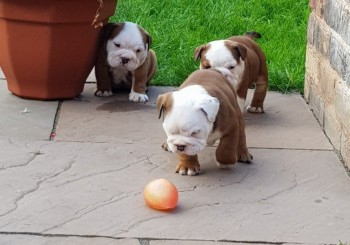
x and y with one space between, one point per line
180 147
125 60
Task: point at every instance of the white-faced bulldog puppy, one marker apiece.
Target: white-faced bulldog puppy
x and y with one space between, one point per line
125 61
245 60
203 110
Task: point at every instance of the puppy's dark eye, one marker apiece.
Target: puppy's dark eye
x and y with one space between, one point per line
117 45
231 67
195 133
206 66
138 50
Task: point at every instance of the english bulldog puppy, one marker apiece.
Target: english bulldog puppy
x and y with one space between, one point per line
125 61
245 60
203 110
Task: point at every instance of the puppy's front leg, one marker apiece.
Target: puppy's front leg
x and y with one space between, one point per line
139 85
103 75
104 89
188 165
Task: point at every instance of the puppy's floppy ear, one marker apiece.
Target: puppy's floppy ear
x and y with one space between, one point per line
105 34
210 107
147 39
107 29
164 104
241 50
198 52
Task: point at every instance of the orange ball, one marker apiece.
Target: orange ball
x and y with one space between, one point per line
161 194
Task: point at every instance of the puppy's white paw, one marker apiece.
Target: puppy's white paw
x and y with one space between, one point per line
188 170
106 93
137 97
252 109
192 172
183 172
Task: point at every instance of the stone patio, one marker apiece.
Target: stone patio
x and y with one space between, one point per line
84 186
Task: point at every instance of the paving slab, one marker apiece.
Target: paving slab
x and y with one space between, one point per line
87 184
25 119
111 119
287 123
42 240
96 189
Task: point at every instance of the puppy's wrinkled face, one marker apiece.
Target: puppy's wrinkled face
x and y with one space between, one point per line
222 54
189 121
127 48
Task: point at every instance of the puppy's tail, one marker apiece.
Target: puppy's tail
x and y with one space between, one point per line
253 35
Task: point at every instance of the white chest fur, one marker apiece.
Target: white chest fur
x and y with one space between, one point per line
121 75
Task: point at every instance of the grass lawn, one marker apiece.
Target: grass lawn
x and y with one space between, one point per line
179 26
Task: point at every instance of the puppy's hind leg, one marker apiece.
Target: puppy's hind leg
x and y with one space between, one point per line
226 153
257 104
243 153
152 65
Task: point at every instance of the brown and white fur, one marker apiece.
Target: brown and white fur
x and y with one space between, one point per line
247 63
202 111
125 60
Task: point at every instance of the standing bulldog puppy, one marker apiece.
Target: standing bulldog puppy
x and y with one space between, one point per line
245 60
203 110
125 60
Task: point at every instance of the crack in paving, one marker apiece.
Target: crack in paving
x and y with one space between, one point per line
10 233
86 210
101 173
296 184
239 181
290 149
137 223
150 162
39 183
134 142
37 187
31 159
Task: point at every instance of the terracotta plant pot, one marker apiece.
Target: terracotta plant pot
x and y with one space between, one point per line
48 47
